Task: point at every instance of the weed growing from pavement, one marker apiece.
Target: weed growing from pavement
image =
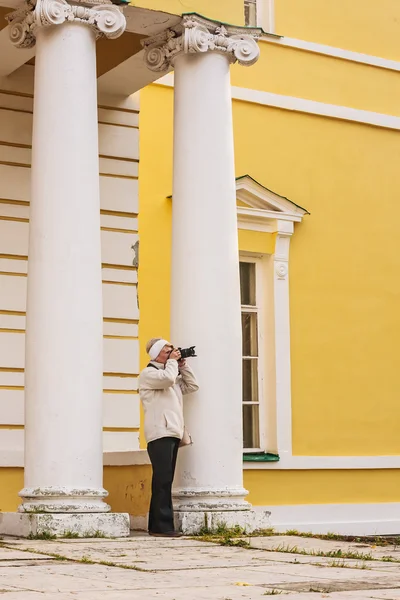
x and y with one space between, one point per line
233 536
83 560
330 554
272 593
370 540
341 564
45 535
69 535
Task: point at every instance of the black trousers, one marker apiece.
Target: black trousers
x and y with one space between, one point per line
163 454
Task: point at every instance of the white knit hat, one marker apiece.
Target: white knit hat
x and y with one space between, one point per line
156 348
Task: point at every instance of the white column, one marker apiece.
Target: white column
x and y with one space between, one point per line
64 342
205 290
205 294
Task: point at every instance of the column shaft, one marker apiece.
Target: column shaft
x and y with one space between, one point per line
205 282
63 398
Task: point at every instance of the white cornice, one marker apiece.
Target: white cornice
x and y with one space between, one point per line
358 57
312 107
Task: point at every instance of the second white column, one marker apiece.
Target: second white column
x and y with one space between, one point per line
205 287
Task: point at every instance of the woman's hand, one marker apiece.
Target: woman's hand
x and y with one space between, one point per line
175 354
182 362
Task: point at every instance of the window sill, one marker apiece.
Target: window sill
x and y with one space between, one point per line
260 457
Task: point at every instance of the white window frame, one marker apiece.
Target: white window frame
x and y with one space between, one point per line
256 4
266 15
265 211
259 310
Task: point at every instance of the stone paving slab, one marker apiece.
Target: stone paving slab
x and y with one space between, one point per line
313 544
7 554
187 569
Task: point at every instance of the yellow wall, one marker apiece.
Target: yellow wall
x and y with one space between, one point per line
11 482
344 284
228 11
312 76
128 487
344 263
322 487
344 258
367 26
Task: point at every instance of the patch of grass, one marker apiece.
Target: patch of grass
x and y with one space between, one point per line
319 590
87 560
235 543
341 564
57 556
330 554
222 530
370 540
45 535
97 534
272 593
107 563
70 535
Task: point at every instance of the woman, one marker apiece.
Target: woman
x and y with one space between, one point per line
161 386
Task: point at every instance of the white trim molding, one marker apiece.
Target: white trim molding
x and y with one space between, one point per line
266 15
15 458
358 57
342 519
288 461
312 107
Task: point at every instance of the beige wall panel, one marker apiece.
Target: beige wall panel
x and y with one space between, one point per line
12 378
15 183
120 383
118 194
15 127
10 265
117 140
121 410
121 355
116 222
12 293
14 237
12 321
17 211
121 329
19 102
119 167
121 275
12 154
120 441
118 117
118 102
120 301
12 350
117 247
11 440
11 407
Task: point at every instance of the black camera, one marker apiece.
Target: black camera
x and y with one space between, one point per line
187 352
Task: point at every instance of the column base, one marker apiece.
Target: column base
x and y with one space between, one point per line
194 522
84 525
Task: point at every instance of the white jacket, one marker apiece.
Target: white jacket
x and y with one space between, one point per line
161 391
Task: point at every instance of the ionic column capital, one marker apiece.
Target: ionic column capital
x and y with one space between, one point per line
103 17
198 35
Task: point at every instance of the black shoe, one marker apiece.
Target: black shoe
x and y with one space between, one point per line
167 534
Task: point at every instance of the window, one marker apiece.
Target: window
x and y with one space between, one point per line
250 13
260 13
250 355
